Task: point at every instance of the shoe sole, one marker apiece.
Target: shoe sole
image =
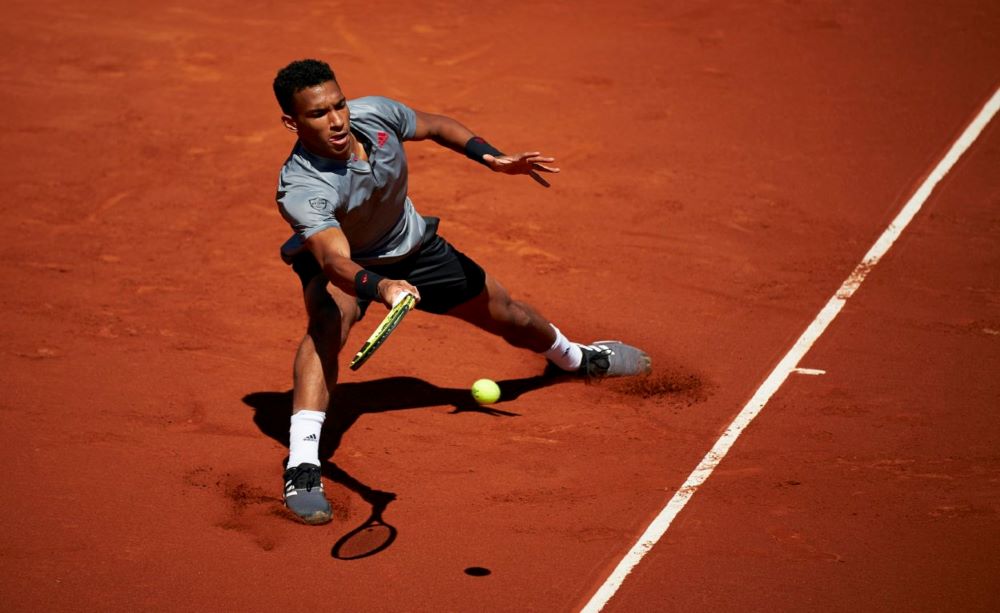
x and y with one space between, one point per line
315 519
643 358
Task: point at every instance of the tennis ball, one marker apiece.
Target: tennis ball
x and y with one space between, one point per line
485 391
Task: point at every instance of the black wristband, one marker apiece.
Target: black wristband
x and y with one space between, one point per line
476 148
366 284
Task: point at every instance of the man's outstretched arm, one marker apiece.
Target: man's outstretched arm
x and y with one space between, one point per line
450 133
333 252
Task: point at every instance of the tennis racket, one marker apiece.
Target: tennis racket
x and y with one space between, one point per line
383 330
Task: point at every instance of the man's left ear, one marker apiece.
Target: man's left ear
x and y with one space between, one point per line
290 124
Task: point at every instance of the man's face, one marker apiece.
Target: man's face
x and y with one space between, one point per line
322 121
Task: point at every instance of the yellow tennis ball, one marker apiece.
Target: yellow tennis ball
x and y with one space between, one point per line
485 391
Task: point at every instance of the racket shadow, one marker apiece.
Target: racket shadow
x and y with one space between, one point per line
373 535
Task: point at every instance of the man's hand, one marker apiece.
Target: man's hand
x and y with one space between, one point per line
529 163
391 291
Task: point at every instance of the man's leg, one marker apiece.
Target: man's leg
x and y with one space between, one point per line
516 322
331 314
522 326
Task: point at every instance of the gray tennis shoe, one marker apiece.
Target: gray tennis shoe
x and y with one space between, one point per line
613 359
304 494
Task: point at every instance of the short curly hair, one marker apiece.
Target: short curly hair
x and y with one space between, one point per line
297 76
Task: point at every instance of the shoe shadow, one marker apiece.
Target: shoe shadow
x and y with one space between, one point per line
272 411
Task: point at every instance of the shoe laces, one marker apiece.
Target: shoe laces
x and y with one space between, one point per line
596 358
304 475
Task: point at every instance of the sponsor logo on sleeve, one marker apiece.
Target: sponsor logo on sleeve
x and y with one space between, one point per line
320 204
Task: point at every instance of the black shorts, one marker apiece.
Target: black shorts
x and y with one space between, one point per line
445 276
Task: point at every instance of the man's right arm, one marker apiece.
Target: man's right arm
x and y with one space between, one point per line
333 252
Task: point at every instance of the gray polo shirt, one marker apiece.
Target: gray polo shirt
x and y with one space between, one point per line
365 199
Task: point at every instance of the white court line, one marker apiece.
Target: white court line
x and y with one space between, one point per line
809 371
788 363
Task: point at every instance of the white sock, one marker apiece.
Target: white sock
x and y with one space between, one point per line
303 437
564 354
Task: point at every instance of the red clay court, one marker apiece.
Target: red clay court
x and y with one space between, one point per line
726 166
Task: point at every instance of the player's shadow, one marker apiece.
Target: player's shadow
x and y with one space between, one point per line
272 411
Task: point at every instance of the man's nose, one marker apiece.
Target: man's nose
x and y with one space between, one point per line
336 120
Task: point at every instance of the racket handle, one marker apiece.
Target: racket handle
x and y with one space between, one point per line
399 297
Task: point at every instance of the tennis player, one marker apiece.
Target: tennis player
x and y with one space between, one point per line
358 239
